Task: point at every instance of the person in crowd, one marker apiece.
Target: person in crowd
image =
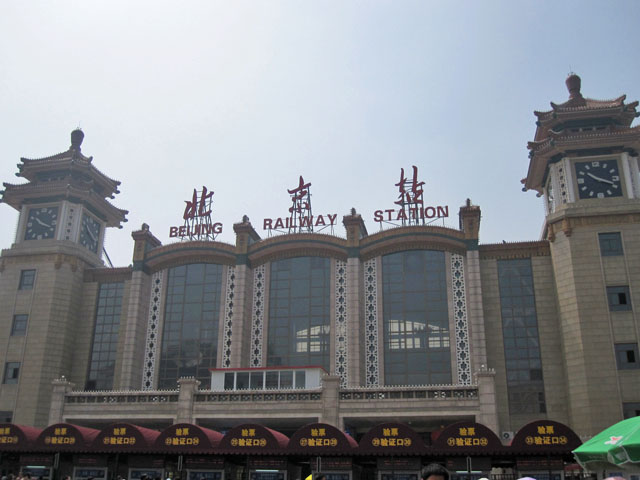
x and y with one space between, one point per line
434 471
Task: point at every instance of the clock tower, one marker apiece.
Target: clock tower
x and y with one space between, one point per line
63 214
584 162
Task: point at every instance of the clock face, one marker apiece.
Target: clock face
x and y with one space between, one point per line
41 223
89 233
598 179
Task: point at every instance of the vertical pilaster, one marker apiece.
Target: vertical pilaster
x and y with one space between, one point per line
488 415
135 323
188 386
475 309
331 401
61 387
240 334
356 230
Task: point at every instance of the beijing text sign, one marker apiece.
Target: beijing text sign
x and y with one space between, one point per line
197 218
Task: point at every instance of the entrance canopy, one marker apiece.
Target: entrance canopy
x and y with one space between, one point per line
251 438
321 439
125 437
14 438
392 439
65 437
187 438
468 438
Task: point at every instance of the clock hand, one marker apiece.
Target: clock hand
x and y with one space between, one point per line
600 179
42 223
93 237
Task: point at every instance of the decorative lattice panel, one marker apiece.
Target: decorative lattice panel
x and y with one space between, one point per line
371 322
341 321
463 357
563 183
257 315
153 322
69 227
228 317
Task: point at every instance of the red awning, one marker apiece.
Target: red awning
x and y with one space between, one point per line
467 438
125 437
392 439
187 438
65 437
321 439
545 437
254 439
17 437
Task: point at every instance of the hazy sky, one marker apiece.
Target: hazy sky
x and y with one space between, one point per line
245 96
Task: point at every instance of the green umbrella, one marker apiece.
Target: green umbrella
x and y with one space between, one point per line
618 445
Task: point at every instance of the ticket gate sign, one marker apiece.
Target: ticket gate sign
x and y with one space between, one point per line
268 475
151 473
205 475
84 473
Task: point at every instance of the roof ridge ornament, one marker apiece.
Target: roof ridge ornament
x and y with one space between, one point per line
76 139
573 83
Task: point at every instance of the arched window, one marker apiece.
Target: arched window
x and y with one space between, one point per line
299 312
190 331
416 318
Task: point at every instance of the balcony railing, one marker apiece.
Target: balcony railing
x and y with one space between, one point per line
161 396
437 392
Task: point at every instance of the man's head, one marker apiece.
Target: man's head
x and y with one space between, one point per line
434 471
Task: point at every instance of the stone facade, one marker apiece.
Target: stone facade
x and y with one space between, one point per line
579 352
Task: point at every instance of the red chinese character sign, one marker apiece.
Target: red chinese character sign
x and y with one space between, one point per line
301 208
410 202
301 218
197 218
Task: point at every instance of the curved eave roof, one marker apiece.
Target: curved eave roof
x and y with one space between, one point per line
16 195
29 168
297 244
181 253
543 150
579 104
591 109
412 238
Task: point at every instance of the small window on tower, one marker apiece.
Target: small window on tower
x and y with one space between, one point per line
619 298
19 326
11 372
27 279
610 244
627 356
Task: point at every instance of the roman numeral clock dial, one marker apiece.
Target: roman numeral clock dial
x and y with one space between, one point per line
598 179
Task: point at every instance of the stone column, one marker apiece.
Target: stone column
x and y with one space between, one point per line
241 328
331 401
135 323
488 411
356 230
61 387
188 386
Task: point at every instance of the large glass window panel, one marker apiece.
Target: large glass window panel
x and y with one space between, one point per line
520 333
416 318
190 332
299 313
105 337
